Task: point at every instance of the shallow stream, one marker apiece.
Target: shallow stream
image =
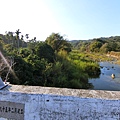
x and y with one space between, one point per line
105 81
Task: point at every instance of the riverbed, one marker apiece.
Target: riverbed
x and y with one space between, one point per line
105 81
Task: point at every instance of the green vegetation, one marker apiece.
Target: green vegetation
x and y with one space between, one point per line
102 45
54 62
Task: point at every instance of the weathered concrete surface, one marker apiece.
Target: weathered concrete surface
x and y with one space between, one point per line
45 103
66 92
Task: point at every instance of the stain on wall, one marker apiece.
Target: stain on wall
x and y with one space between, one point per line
59 107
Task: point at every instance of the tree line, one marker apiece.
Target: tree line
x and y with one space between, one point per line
46 63
102 45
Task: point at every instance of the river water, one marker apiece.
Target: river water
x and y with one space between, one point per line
105 81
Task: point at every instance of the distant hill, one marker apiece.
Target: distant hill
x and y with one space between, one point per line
103 44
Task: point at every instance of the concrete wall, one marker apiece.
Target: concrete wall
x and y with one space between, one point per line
35 106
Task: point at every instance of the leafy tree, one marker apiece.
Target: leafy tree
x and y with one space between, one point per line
58 43
104 48
27 36
112 46
22 40
45 51
24 52
32 43
1 45
17 36
49 64
23 71
8 48
95 46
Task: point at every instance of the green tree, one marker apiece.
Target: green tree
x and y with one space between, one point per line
23 71
22 40
32 43
17 36
95 46
24 52
112 46
104 48
45 51
58 43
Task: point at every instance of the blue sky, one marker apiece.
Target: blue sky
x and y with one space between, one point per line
76 19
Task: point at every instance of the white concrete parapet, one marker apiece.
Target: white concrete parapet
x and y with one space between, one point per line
45 103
